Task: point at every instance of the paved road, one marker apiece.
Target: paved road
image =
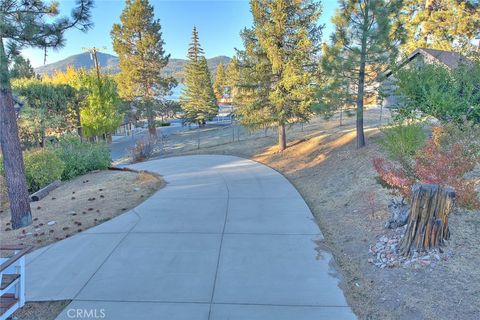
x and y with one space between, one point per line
227 238
120 148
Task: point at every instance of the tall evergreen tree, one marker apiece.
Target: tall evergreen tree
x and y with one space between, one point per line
138 41
441 24
27 24
198 98
334 90
252 84
45 108
231 77
21 68
366 39
283 42
219 84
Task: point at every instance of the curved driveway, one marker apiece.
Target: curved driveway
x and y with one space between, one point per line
227 238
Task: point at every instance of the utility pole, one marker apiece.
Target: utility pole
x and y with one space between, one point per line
93 55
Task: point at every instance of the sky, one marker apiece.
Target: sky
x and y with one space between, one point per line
218 22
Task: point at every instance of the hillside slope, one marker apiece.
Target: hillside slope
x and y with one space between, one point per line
109 64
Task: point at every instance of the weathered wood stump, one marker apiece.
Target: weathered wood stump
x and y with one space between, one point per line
427 225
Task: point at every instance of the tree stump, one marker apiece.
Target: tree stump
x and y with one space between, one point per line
427 225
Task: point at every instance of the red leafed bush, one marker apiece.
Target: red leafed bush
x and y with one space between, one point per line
434 164
393 176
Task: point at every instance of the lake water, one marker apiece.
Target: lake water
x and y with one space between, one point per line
176 92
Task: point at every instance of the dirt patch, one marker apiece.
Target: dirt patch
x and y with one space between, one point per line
41 310
79 204
338 183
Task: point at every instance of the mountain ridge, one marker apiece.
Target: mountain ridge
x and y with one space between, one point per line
109 64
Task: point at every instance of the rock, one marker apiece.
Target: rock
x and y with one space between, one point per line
136 189
384 239
51 223
399 211
72 212
425 263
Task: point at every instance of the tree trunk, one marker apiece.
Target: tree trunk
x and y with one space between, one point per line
361 82
12 152
341 115
282 139
152 130
427 225
79 121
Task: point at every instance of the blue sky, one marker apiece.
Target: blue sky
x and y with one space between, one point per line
219 23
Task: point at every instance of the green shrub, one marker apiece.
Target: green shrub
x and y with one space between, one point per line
434 90
81 157
42 167
403 141
159 123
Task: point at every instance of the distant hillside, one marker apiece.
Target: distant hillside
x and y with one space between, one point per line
109 64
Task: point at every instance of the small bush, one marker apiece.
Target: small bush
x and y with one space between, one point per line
435 163
42 167
3 191
162 124
144 148
81 157
403 141
466 134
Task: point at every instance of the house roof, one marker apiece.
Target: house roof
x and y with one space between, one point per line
450 59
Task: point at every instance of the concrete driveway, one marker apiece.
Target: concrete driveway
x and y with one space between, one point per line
227 238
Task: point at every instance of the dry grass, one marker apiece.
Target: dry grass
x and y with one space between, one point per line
80 204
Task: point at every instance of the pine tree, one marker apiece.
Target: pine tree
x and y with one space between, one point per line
441 24
219 84
195 50
27 24
198 98
231 77
252 84
21 68
366 39
334 90
137 40
45 108
283 42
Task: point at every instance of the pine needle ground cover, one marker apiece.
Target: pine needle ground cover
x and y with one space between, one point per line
79 204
